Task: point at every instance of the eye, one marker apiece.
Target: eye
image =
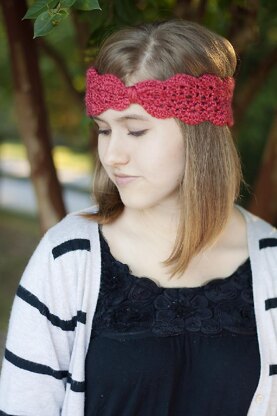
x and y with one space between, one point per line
104 132
137 133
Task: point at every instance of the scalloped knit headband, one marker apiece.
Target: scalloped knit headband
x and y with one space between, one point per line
191 99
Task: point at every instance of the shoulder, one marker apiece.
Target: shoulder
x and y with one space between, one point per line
75 225
257 227
262 244
62 250
75 233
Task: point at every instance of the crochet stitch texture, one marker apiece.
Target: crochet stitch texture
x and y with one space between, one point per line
191 99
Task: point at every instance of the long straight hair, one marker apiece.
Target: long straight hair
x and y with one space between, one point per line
212 169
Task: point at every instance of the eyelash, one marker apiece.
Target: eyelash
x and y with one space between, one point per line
131 133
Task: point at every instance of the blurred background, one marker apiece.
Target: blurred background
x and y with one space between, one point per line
47 143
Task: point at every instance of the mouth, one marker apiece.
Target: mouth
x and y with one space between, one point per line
124 179
123 175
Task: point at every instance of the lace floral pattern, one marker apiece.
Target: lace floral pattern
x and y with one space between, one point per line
129 303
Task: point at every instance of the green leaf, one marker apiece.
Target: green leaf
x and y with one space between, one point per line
39 7
67 3
87 5
43 24
58 17
47 21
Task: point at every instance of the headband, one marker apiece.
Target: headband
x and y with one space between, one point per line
191 99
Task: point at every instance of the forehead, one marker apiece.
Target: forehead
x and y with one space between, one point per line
133 112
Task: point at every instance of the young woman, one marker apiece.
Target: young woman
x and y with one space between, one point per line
161 299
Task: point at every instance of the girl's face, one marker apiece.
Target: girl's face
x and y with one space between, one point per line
148 150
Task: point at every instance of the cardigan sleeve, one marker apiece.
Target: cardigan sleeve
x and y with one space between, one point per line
35 367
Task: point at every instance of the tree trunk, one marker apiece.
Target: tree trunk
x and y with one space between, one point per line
31 112
264 201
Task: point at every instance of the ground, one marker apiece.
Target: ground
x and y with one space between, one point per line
19 235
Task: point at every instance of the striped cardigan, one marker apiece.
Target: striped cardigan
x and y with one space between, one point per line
50 323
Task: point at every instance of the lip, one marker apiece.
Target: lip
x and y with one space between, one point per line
124 179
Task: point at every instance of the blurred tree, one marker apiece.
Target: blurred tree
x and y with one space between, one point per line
266 184
32 114
249 25
62 67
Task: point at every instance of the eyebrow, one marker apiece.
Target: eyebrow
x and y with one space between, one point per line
123 118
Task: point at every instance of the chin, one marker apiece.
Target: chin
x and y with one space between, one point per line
138 202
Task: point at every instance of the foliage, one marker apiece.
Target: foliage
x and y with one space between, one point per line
229 18
7 122
50 13
255 127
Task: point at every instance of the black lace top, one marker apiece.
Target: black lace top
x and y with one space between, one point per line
158 351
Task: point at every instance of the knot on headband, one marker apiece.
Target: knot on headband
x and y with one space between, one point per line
132 94
191 99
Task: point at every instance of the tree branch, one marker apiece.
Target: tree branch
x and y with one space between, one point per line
183 9
244 28
62 67
264 201
82 32
201 11
253 85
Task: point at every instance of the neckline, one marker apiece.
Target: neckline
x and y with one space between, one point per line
218 280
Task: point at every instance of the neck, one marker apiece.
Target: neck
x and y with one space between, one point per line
155 223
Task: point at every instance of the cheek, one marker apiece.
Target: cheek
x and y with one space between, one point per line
101 149
166 162
101 153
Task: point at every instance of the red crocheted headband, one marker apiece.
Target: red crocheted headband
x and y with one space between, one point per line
188 98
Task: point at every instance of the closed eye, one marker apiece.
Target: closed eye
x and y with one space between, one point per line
104 132
131 133
137 133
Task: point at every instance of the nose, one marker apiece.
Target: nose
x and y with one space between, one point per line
116 152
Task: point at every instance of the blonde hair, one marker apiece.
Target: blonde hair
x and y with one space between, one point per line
212 174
